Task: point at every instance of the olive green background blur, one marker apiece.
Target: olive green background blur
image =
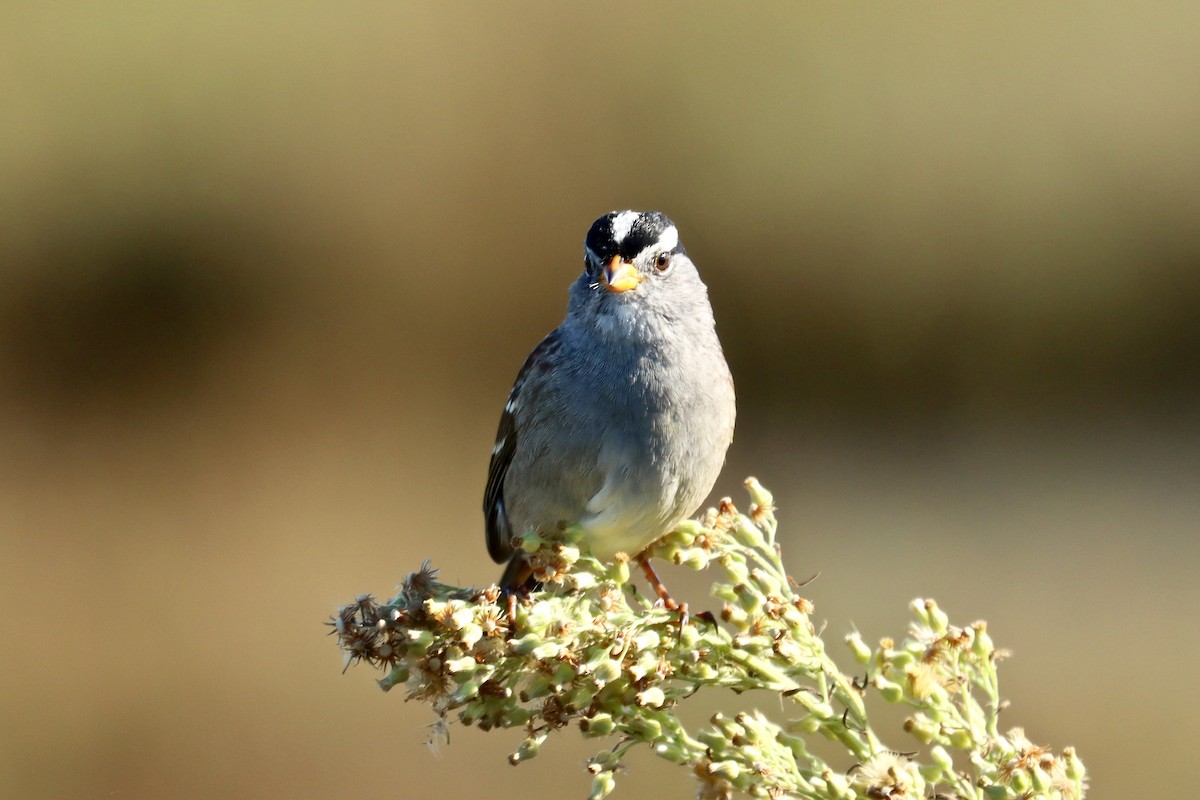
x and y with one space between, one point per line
267 272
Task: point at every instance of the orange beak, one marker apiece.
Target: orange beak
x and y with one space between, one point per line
620 276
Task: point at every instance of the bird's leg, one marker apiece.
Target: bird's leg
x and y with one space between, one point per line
513 595
668 602
516 582
656 582
510 598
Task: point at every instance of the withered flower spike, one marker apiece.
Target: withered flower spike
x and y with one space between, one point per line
596 651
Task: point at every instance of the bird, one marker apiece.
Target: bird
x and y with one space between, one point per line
620 419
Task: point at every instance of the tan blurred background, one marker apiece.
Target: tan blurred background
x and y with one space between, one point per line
267 272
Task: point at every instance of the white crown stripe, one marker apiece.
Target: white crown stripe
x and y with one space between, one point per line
622 223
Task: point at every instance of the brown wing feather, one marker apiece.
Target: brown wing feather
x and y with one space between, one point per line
499 531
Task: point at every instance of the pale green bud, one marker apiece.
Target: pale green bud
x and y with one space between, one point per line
886 652
724 591
731 728
669 551
919 607
398 674
540 614
750 753
599 724
564 673
672 751
959 738
539 686
419 640
436 608
580 581
1038 777
735 616
618 573
692 558
645 728
604 761
748 598
581 696
546 650
735 567
1019 782
470 635
458 665
468 690
461 617
645 665
754 726
524 645
922 728
890 691
516 717
758 494
1073 766
646 640
530 542
606 672
472 712
766 581
983 646
795 617
938 620
746 534
684 535
754 645
713 739
529 749
862 653
837 786
729 770
902 659
602 785
789 650
652 697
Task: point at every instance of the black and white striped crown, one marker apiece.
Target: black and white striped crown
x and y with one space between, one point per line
628 233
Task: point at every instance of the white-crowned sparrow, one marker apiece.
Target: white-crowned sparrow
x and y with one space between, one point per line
620 419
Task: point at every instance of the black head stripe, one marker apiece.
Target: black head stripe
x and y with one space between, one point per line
600 237
644 232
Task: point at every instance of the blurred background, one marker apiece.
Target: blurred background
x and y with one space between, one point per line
267 272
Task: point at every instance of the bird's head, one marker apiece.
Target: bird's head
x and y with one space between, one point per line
625 249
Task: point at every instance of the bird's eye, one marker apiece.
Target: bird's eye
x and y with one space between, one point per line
662 262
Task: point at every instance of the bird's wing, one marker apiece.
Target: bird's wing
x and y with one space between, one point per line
499 531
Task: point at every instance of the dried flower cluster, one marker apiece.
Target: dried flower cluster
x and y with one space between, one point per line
592 651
